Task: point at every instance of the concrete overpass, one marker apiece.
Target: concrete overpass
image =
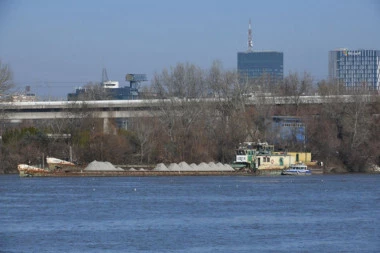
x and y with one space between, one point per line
74 109
105 109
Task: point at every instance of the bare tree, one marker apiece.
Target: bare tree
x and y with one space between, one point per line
345 131
182 81
223 120
93 91
144 129
356 123
6 84
330 87
180 109
5 79
231 118
293 87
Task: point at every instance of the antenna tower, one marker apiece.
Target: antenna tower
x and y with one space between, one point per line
104 75
250 41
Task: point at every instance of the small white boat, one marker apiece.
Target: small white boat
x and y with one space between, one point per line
299 169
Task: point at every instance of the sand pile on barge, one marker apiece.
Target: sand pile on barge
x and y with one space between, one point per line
194 166
183 166
161 167
213 166
225 167
174 167
101 166
204 167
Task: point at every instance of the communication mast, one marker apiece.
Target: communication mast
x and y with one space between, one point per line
250 41
104 75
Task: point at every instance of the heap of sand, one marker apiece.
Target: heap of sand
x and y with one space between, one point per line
204 167
161 167
183 166
194 167
101 166
174 167
213 166
225 167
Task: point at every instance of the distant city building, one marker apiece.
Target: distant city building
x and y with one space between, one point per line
110 90
287 129
28 97
254 64
355 68
120 93
25 96
257 63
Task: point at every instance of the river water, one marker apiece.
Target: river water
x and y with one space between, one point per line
339 213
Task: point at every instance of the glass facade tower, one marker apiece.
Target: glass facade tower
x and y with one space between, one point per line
254 64
355 68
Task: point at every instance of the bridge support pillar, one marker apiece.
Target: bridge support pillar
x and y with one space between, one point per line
108 128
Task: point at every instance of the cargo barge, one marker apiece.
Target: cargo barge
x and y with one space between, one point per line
31 171
106 169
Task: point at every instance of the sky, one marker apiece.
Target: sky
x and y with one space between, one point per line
57 46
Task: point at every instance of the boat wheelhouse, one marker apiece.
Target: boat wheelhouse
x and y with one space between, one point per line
247 153
260 157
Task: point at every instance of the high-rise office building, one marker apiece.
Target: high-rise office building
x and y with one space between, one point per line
254 64
355 68
257 63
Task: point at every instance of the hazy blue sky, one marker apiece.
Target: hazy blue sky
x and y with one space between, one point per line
55 46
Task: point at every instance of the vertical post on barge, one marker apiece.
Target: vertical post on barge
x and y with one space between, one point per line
71 154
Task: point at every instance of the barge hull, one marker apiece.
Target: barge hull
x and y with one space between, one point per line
135 173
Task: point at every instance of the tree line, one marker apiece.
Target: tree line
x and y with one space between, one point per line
185 128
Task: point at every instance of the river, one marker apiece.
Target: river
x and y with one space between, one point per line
318 213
